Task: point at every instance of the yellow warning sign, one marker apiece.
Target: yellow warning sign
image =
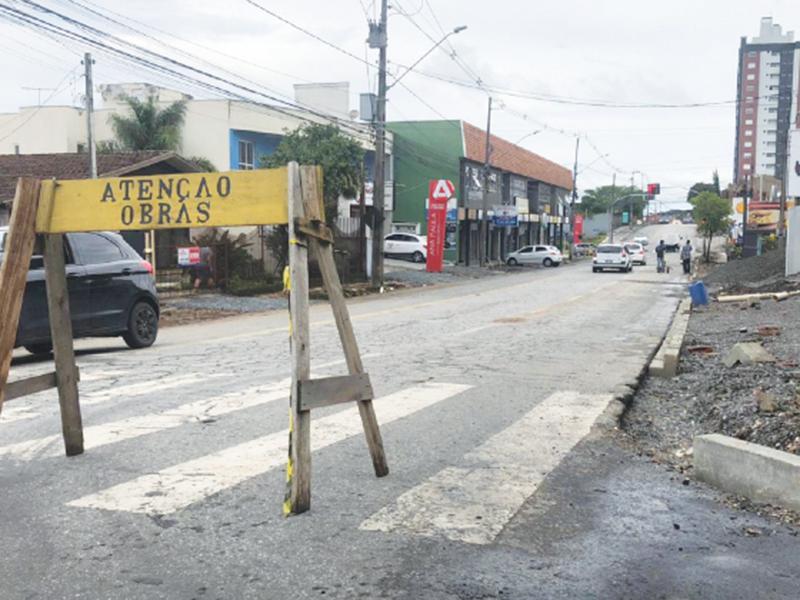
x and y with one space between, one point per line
180 200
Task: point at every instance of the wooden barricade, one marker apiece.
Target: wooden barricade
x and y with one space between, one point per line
291 196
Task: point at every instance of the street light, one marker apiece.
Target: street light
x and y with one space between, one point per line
455 31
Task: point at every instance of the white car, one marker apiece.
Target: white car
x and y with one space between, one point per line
637 252
641 240
548 256
406 245
612 256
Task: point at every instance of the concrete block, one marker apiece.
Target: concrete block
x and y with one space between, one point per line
757 472
747 353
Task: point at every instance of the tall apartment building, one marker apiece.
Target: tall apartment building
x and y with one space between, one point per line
768 101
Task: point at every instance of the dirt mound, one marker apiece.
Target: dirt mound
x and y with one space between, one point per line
748 273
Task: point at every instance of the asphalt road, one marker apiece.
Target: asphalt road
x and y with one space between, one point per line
487 392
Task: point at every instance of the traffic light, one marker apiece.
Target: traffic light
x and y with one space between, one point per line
653 190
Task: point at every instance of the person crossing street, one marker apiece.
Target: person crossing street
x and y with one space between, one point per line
661 265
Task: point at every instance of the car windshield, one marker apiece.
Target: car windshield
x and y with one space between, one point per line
633 247
609 249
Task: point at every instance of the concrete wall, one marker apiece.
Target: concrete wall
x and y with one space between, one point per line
595 225
793 242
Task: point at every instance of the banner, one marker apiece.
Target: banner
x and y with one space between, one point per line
439 193
577 234
175 201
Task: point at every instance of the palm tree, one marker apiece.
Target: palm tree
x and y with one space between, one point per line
149 127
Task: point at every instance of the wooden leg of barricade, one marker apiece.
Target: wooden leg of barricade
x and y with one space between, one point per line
299 467
14 270
314 209
63 350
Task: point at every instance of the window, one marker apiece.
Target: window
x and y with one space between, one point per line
752 53
751 88
746 166
748 110
526 250
93 248
748 132
246 155
751 76
748 144
751 65
748 155
748 121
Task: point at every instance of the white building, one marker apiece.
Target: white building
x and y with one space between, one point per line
768 96
232 134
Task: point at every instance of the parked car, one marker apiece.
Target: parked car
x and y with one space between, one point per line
111 293
637 253
612 256
641 240
406 245
548 256
584 249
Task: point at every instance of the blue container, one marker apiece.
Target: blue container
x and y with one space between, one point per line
698 293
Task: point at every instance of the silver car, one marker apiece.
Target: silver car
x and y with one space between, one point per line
548 256
612 256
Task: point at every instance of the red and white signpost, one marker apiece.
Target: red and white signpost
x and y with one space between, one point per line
439 193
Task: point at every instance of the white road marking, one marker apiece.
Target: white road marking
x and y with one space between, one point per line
181 485
141 388
473 503
17 413
133 427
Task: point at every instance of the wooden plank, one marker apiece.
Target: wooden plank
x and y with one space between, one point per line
317 393
33 385
14 269
315 229
300 436
63 350
311 179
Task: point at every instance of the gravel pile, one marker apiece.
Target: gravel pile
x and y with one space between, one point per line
748 273
759 403
225 303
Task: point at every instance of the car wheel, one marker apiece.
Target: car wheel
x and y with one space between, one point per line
595 270
512 262
547 262
40 349
418 257
142 326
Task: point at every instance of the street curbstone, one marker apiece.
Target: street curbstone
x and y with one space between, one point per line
665 363
757 472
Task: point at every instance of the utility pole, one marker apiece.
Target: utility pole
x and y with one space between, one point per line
87 65
379 184
611 208
484 225
574 195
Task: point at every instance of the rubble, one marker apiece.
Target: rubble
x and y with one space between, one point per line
747 353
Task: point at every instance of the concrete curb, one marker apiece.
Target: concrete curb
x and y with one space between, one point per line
665 362
757 472
623 394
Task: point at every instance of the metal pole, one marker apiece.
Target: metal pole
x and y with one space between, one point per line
379 185
484 224
87 65
574 196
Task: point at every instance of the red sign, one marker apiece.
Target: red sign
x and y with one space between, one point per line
578 229
188 256
439 193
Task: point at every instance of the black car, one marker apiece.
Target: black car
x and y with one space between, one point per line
111 293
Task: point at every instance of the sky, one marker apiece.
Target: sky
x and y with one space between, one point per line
533 54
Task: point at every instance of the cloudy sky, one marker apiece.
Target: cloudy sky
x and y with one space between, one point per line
538 58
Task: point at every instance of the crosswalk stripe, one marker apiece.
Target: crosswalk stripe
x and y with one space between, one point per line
181 485
141 388
474 502
133 427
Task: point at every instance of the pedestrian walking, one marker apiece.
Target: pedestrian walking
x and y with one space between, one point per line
686 257
661 265
204 270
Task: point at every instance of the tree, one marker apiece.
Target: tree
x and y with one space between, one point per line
149 127
203 164
598 200
711 214
340 157
700 187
